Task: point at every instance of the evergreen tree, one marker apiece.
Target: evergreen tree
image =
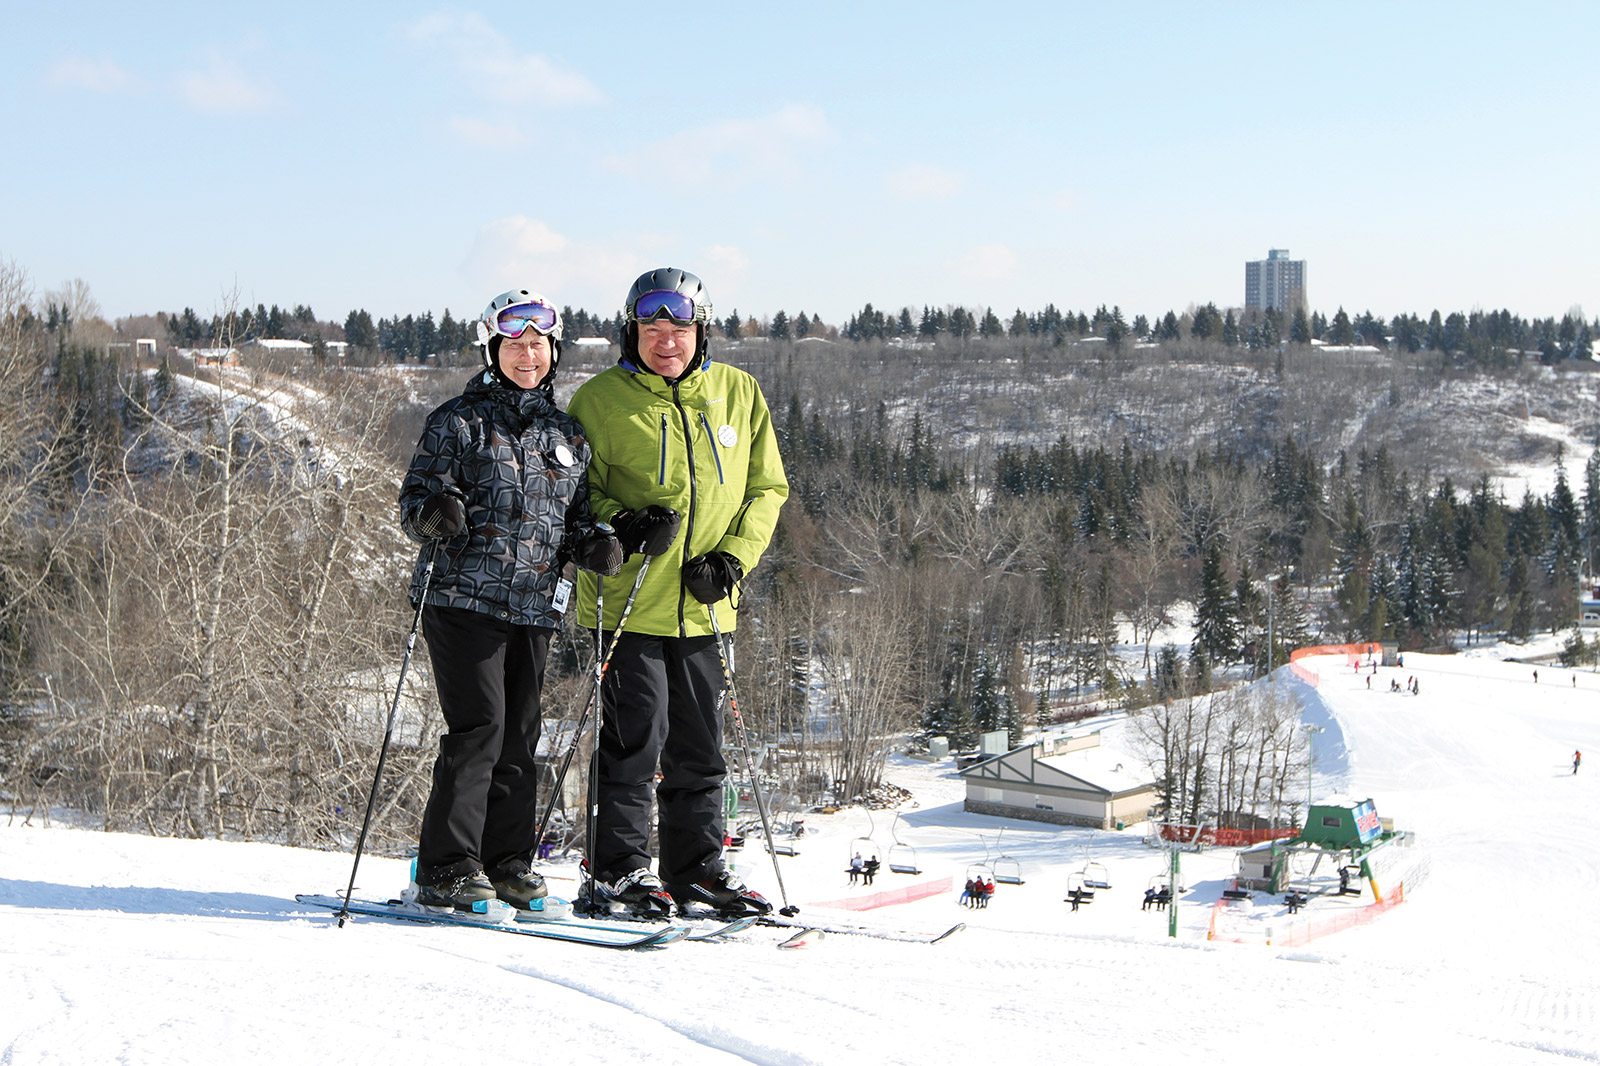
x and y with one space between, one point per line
1216 623
1519 593
1207 323
1300 327
1566 528
1341 331
1589 530
1168 677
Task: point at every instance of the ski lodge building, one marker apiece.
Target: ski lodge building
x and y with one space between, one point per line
1067 778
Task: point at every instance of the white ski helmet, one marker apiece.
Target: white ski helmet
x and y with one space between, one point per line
513 313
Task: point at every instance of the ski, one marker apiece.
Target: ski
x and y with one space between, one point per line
803 938
575 930
905 936
723 930
696 928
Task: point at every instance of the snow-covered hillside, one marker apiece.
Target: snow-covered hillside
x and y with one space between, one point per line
135 950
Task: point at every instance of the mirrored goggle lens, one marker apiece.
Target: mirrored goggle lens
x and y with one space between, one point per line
664 303
515 320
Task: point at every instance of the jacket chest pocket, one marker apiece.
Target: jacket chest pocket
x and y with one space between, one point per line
489 461
553 470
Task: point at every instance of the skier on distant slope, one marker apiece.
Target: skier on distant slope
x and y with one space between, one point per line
497 494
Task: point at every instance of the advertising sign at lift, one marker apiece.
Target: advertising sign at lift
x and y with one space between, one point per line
1368 827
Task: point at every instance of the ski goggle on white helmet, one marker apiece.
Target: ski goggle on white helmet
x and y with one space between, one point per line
513 313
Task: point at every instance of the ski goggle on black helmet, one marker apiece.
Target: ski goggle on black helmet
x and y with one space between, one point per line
513 313
669 293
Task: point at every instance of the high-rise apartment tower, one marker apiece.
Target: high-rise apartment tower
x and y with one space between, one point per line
1277 282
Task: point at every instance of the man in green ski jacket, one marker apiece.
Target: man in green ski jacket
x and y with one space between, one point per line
685 466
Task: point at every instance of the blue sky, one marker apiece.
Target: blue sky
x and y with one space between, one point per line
408 156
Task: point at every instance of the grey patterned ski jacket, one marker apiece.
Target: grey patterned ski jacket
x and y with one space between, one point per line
519 465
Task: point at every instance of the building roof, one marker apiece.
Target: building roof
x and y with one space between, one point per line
280 345
1097 761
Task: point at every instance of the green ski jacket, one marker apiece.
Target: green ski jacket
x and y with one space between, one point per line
704 447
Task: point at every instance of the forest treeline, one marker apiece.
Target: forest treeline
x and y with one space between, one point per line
1477 338
202 606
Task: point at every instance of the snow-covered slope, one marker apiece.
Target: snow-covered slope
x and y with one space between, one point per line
134 950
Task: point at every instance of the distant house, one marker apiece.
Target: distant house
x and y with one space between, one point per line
1589 605
211 356
278 347
1065 778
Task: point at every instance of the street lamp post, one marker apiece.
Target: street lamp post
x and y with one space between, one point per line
1310 729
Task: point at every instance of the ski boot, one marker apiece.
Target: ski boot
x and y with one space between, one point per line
450 889
515 882
636 894
723 892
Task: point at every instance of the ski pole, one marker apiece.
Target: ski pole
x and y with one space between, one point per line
388 733
601 664
732 694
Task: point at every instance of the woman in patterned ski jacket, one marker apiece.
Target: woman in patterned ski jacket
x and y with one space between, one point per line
497 494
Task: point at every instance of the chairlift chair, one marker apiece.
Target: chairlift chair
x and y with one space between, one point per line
867 849
902 858
1095 875
1007 871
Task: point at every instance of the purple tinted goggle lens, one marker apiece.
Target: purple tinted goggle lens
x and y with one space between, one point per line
664 303
514 321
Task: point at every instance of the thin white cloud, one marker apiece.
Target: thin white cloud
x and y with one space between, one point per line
921 181
1063 201
482 133
735 148
218 85
93 75
990 262
518 250
723 269
491 63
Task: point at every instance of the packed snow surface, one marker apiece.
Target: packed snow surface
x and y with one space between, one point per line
133 950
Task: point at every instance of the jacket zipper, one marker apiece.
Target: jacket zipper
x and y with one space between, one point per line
688 521
716 453
661 474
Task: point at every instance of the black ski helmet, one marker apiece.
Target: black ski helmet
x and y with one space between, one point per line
490 330
666 279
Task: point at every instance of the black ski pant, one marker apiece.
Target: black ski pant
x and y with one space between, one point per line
489 673
662 704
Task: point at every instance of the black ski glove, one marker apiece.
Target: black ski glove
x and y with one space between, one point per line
598 549
441 516
650 530
711 577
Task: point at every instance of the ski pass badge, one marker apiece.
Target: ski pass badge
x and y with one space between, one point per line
727 436
564 456
563 594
